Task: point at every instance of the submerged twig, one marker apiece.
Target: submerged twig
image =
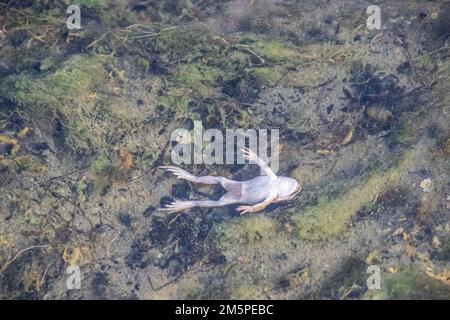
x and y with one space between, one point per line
8 263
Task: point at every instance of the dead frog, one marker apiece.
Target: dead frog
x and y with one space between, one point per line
257 193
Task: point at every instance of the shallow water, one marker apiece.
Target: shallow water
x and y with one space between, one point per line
87 116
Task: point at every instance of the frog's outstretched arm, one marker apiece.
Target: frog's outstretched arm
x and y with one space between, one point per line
257 207
251 156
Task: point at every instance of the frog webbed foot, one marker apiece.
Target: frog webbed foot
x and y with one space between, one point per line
176 206
244 209
179 173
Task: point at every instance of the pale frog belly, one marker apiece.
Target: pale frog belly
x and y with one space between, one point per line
255 190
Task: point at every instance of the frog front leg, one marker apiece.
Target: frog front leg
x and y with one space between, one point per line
251 156
257 207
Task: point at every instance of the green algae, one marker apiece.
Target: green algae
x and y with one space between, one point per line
23 163
250 230
277 51
176 99
54 90
272 50
309 66
266 75
409 284
405 132
202 80
102 166
65 96
330 217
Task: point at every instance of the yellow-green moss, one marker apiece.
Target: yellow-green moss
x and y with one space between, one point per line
7 140
63 100
144 64
200 79
4 242
406 131
410 285
248 230
330 217
102 166
29 163
266 75
23 163
272 50
279 51
74 78
313 64
31 218
173 100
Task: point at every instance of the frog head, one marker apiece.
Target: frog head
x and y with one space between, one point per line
288 188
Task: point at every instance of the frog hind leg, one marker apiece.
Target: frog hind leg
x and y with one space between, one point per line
183 174
189 204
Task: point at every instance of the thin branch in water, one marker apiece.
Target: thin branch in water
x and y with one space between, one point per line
8 263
